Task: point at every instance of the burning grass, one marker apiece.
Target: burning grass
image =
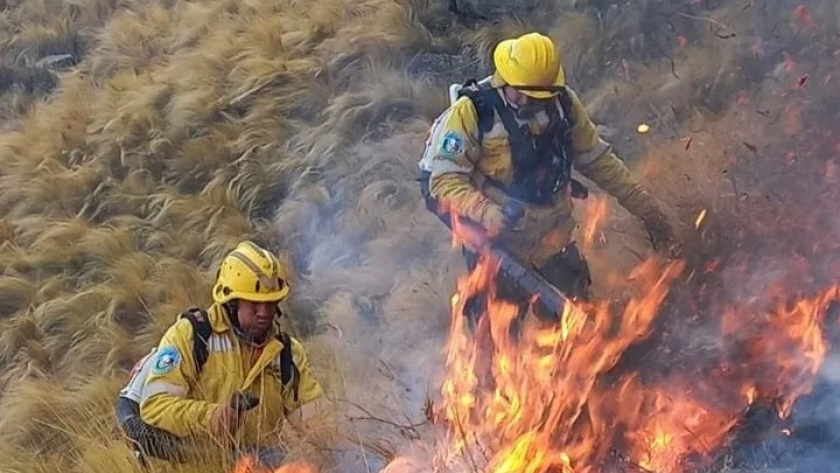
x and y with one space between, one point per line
190 125
549 398
572 396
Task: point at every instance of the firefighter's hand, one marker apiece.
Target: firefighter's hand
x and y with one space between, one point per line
499 219
513 210
662 236
225 421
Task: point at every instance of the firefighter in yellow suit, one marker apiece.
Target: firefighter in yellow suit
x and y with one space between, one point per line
510 142
243 356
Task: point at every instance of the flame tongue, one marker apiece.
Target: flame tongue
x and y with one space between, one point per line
787 346
546 398
537 399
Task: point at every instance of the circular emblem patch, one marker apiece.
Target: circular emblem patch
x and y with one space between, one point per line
166 360
452 144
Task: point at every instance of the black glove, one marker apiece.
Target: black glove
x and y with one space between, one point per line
513 210
661 234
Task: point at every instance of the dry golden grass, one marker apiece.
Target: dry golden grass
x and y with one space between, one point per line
191 125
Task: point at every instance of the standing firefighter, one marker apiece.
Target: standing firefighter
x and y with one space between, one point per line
502 155
226 374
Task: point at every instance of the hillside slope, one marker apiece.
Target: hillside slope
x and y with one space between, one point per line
188 125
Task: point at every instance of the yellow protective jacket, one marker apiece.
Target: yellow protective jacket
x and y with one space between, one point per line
458 164
176 400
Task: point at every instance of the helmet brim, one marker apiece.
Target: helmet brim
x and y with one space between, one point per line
277 296
552 91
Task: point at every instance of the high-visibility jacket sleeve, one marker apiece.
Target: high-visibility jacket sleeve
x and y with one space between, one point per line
452 151
612 174
596 160
165 401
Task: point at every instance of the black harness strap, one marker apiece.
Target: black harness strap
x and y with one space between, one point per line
542 165
202 330
481 96
289 372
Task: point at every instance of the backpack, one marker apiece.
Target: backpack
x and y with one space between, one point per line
202 331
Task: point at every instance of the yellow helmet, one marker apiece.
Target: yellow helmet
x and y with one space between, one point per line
251 273
530 65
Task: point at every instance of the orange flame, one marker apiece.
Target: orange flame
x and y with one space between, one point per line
526 396
530 397
596 213
788 343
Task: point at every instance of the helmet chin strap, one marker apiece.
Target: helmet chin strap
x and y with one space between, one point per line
232 309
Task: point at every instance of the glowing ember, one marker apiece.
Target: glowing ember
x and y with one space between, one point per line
699 220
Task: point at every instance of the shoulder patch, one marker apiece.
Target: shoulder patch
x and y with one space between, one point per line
452 145
166 360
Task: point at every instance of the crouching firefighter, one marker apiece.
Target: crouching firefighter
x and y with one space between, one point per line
226 375
502 156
